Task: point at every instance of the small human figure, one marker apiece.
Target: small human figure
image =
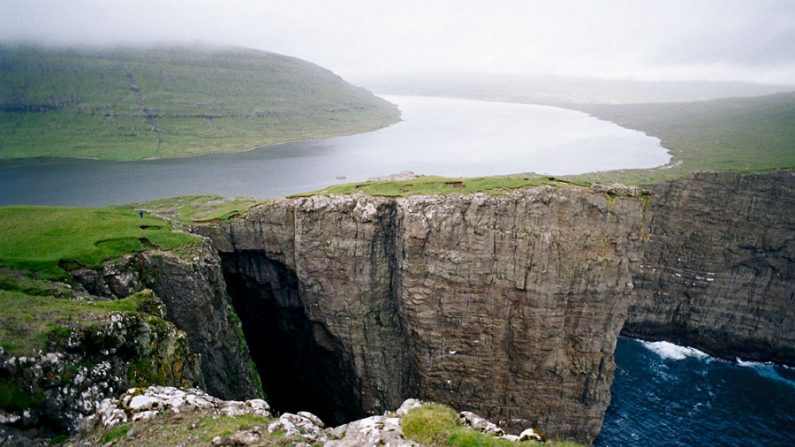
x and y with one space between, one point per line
141 213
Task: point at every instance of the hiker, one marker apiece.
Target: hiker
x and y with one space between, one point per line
141 213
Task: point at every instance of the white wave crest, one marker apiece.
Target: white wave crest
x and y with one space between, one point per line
767 370
671 351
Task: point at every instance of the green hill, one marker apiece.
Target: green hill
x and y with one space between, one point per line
131 104
732 134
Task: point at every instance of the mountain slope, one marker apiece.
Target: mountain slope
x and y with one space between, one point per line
129 104
731 134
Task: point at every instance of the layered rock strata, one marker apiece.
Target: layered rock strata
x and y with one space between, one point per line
718 268
508 305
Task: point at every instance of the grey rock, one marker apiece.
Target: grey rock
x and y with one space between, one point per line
509 306
718 266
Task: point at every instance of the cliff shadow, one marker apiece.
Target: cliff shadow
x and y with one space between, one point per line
301 365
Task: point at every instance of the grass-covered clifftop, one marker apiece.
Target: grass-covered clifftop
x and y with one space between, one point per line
48 241
132 104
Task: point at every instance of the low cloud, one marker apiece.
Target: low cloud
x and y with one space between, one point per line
673 39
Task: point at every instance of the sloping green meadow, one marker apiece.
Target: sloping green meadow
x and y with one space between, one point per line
133 104
48 241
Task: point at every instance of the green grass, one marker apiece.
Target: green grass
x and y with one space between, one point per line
196 208
46 240
115 433
82 104
15 398
197 428
726 135
431 185
438 426
29 323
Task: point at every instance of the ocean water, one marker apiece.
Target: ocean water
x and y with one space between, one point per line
669 395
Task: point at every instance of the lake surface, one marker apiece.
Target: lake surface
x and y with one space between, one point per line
439 136
669 395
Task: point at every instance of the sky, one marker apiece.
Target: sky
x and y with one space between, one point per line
748 40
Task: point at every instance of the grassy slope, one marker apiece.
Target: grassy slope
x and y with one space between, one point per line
42 239
106 103
196 208
438 426
735 134
29 322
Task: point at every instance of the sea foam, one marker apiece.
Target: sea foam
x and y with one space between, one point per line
768 370
670 351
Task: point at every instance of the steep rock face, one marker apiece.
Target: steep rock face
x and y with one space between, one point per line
509 306
718 269
193 289
197 302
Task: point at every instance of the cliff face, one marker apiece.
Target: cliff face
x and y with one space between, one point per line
193 289
718 269
509 306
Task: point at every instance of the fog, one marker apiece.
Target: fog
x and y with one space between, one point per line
622 39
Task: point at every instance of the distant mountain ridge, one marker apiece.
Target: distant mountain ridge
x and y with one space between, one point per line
163 102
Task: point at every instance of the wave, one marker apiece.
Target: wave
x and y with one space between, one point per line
767 370
671 351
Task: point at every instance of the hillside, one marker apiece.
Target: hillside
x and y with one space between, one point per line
132 104
732 134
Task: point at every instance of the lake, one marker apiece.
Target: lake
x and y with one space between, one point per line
438 136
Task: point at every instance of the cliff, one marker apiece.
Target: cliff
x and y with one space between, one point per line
192 287
717 271
507 305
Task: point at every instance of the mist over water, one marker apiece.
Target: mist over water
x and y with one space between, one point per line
438 136
669 395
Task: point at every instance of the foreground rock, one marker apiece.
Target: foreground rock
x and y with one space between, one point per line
49 392
151 415
193 289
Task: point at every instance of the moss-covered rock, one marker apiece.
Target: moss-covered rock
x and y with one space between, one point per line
95 350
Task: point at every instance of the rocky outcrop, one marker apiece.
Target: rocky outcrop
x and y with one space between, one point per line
93 360
196 299
192 286
254 424
508 305
140 404
718 268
